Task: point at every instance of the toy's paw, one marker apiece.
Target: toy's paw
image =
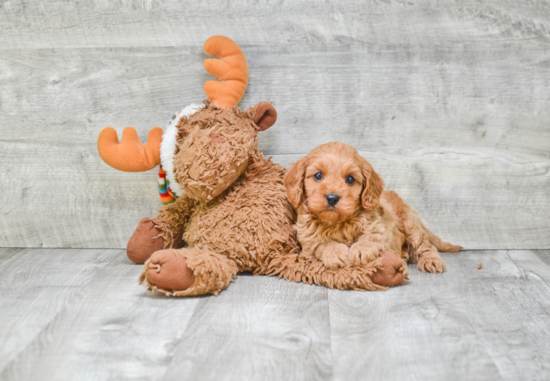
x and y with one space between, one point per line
431 264
335 256
362 253
144 242
167 270
393 270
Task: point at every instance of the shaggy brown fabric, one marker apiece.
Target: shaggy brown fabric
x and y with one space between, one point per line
171 221
204 169
234 214
304 268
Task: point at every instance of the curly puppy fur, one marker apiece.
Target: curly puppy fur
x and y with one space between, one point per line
234 215
345 218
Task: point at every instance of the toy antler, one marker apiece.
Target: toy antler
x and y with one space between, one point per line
231 69
130 155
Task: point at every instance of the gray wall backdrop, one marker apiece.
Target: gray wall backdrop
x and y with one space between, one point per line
449 100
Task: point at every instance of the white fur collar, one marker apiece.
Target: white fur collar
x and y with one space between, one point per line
168 145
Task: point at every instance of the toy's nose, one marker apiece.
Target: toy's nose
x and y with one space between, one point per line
217 139
332 199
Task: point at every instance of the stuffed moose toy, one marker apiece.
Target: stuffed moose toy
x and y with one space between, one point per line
226 209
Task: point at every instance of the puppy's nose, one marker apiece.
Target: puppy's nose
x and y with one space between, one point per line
332 199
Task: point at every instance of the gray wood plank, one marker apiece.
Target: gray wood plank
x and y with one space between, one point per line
490 323
260 328
47 24
483 98
6 253
79 314
532 264
96 327
543 255
460 132
36 286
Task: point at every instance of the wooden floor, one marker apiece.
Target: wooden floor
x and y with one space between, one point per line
78 314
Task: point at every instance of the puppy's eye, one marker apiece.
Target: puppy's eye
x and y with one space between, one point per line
350 180
318 176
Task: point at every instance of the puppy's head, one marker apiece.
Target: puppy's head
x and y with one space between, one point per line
333 181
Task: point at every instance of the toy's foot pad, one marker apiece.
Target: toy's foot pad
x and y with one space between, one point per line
393 271
144 242
167 270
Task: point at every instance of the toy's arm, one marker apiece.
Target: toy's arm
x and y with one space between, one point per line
172 219
386 270
165 231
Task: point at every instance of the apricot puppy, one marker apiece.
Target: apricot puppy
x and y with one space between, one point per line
345 218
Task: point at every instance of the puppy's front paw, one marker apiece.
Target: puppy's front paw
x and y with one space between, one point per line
431 265
335 256
362 253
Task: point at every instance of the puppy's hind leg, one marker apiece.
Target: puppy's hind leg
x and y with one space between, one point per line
421 251
426 257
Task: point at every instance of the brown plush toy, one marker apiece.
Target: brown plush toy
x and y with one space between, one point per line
229 208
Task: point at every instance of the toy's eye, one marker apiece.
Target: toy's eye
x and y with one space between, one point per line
318 176
350 180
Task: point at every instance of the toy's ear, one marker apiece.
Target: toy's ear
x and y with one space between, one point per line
294 182
265 115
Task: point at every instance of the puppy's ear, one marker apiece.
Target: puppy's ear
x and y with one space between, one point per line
294 182
373 186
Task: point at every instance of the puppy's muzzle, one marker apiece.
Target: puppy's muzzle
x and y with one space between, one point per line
332 199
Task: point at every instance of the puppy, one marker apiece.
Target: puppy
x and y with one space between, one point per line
345 218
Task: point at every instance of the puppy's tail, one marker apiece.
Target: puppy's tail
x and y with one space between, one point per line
439 244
